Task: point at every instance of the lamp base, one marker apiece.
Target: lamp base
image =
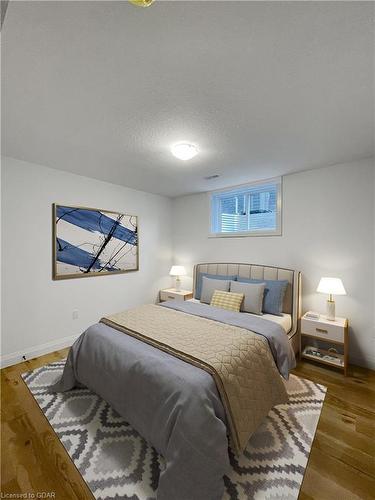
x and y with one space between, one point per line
178 284
331 310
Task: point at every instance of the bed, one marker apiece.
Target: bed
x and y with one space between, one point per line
190 378
292 298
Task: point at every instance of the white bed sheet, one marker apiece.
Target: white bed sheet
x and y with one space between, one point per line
285 321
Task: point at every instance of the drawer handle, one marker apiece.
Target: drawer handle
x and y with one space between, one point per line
170 296
320 330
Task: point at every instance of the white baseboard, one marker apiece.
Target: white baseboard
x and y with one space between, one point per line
33 352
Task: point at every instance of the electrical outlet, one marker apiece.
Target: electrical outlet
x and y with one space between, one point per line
75 314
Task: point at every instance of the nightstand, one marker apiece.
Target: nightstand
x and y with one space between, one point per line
173 294
335 333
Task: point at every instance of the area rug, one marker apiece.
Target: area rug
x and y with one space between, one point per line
117 463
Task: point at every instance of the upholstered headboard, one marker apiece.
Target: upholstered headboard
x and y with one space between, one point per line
293 293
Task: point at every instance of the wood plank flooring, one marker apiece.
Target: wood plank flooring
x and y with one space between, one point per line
342 460
341 464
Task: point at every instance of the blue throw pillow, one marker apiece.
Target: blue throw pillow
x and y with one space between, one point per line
274 293
198 286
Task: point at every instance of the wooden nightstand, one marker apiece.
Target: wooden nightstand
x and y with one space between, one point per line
173 294
330 332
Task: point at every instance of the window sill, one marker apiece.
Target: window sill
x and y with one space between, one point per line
245 235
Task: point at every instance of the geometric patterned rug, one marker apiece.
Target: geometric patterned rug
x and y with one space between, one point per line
118 464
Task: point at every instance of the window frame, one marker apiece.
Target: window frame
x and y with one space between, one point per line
278 181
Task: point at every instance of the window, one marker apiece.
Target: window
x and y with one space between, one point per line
247 210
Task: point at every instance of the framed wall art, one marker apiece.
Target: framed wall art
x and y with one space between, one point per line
93 242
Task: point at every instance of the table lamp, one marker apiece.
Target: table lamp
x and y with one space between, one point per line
177 271
332 286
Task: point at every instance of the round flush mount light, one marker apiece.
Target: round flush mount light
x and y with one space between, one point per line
184 151
142 3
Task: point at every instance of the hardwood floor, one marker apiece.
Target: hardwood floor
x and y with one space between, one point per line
33 458
341 464
342 459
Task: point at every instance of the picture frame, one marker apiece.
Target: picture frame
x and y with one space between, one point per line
89 242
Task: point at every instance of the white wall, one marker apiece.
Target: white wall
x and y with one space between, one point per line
328 230
37 312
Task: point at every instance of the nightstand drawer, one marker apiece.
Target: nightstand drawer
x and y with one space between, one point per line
322 330
164 295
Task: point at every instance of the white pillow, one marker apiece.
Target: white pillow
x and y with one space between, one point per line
253 293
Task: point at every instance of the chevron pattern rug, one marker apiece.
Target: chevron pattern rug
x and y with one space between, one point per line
117 463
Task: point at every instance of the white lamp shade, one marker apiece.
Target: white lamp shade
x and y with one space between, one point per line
177 271
333 286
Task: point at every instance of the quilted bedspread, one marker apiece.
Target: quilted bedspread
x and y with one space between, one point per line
240 361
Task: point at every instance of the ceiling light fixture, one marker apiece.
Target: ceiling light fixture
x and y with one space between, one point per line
184 151
142 3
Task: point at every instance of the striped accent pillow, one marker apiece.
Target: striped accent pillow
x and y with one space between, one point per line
227 300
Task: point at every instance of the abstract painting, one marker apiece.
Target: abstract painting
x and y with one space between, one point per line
92 242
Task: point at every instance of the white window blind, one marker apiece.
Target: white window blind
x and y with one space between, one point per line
251 209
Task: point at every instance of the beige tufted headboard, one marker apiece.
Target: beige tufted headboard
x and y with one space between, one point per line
292 302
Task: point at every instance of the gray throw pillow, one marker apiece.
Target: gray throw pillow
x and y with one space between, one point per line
210 285
198 285
253 293
274 293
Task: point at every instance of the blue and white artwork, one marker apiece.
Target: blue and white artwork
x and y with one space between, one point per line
90 242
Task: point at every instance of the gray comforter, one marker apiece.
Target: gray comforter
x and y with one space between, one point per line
175 406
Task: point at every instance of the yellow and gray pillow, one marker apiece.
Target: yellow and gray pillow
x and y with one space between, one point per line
227 300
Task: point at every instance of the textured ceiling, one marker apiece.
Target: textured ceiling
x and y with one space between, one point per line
103 89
